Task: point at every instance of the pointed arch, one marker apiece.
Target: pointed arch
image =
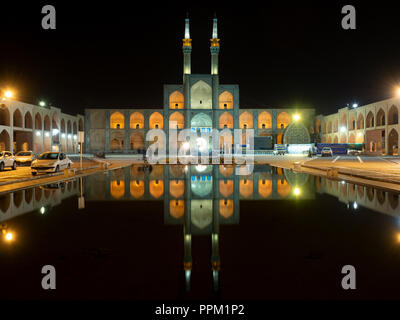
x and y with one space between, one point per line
246 120
225 100
4 141
176 120
47 123
4 115
176 100
117 120
38 121
136 120
28 120
393 116
360 121
156 121
17 118
283 120
370 120
226 120
201 95
201 120
264 120
380 118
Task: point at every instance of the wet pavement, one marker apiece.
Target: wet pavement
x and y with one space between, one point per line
200 232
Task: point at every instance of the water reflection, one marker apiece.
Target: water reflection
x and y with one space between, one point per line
199 198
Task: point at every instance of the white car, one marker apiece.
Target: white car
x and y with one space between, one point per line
50 162
326 152
7 160
24 158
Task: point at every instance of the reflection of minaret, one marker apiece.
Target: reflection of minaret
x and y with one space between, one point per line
215 262
187 243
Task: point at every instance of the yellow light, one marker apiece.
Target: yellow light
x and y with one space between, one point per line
8 94
398 92
296 117
398 237
9 236
296 191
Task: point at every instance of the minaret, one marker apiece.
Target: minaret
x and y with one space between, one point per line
214 47
186 48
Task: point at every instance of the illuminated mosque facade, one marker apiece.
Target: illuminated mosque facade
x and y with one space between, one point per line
200 103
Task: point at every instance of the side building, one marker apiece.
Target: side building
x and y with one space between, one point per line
375 125
24 127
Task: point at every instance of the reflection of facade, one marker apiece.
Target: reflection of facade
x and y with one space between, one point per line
200 198
356 195
24 201
200 102
29 127
376 125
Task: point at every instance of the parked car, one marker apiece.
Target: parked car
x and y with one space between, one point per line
24 158
326 152
7 160
50 162
353 152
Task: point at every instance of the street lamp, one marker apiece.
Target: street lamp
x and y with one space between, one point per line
8 94
296 117
355 105
42 103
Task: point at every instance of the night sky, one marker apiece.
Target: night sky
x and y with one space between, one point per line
115 55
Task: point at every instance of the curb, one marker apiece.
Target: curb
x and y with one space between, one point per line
354 175
78 171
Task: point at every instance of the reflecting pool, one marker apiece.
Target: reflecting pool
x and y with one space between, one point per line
200 232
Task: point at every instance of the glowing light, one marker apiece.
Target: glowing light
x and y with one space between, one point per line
38 133
9 236
186 145
201 144
42 210
296 117
296 191
55 132
47 134
359 134
42 103
355 105
343 182
75 136
63 135
69 136
398 92
8 94
355 205
398 237
342 129
201 168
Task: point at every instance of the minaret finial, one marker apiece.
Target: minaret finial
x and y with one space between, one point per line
187 27
215 27
187 47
